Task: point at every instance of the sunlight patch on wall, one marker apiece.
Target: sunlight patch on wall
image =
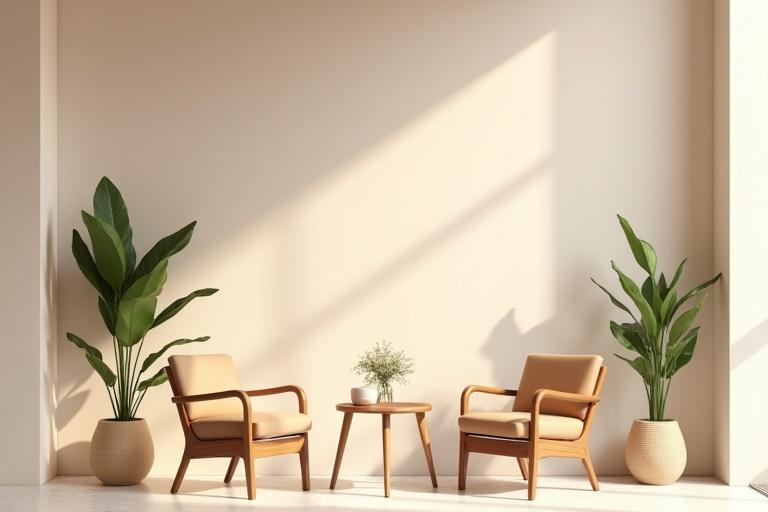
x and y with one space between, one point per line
465 184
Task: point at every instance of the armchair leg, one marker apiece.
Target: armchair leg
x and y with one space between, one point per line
463 461
180 474
533 471
304 460
523 464
231 469
587 461
249 477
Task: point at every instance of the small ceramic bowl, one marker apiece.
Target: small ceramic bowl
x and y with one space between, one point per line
364 395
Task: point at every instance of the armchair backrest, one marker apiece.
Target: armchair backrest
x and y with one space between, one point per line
569 373
208 373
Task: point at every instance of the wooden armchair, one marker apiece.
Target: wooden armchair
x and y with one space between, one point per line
218 421
551 417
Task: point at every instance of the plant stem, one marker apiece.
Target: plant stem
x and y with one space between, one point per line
117 365
128 381
134 376
110 390
138 402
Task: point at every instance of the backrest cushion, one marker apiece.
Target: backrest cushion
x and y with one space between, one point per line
206 373
570 373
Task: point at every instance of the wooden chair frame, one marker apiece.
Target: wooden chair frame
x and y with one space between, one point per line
529 451
246 447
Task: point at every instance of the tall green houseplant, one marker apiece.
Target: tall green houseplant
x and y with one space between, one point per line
663 340
127 297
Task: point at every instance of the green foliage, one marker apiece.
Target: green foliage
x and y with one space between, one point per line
179 304
663 344
127 298
382 365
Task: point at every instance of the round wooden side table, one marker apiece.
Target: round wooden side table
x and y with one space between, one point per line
385 409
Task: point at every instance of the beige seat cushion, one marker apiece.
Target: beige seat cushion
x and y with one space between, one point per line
208 373
569 373
265 425
516 424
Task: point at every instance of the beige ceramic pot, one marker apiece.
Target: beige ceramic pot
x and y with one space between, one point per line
121 451
655 452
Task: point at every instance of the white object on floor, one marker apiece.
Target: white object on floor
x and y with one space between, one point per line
483 494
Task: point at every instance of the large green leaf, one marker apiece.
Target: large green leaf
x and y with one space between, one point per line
683 322
640 365
155 380
663 287
87 266
108 315
179 304
614 300
134 319
151 358
646 311
629 338
652 295
695 292
163 250
650 256
666 307
82 344
149 285
94 358
681 353
107 250
644 254
104 371
678 273
674 349
108 205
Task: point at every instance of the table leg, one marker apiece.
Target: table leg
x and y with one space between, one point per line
385 436
340 450
422 423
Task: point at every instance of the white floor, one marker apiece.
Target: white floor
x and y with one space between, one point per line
85 494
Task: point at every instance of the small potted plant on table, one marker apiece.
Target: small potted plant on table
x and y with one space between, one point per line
381 366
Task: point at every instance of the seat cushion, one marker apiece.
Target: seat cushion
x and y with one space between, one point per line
569 373
516 425
208 373
265 425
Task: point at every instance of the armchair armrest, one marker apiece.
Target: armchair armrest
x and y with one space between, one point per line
220 395
298 391
564 396
482 389
541 394
204 397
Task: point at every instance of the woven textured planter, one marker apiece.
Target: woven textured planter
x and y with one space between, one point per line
121 451
655 452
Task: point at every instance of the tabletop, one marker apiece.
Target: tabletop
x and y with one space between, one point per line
386 407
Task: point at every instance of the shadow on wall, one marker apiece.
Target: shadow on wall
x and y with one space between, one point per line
740 352
749 344
309 102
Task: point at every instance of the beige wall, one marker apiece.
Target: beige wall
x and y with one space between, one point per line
27 199
444 175
748 247
48 234
721 231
